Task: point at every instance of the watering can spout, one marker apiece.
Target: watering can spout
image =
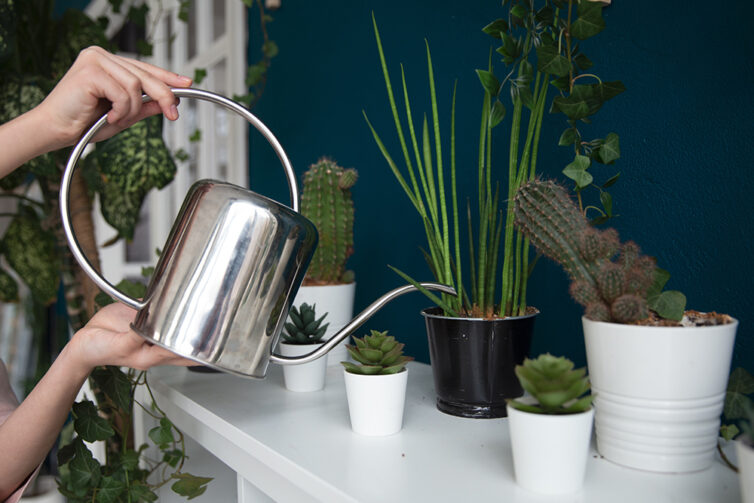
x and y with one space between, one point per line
359 320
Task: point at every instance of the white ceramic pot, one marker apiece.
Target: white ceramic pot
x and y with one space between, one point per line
659 392
306 376
337 302
745 456
376 402
550 451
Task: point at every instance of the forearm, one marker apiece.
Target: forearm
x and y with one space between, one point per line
31 430
24 138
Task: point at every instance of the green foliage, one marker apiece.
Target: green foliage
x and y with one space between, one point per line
738 411
304 327
326 201
612 288
554 384
376 354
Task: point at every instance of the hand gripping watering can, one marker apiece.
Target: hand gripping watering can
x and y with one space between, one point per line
229 271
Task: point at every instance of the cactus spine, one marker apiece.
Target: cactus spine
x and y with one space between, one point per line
609 279
326 201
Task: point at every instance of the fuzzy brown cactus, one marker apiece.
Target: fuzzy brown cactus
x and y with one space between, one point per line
611 280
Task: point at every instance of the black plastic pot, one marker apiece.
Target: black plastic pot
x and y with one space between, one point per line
473 361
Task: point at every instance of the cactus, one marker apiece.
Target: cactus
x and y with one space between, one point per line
554 384
611 280
304 327
326 201
378 353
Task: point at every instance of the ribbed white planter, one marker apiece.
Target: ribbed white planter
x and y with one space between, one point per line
306 376
659 392
745 456
337 302
376 402
550 451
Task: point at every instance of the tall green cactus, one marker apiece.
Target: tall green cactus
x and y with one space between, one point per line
326 201
611 280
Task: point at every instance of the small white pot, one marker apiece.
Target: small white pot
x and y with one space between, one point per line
306 376
659 392
745 456
376 402
550 451
337 302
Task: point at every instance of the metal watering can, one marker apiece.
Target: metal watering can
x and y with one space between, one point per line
229 271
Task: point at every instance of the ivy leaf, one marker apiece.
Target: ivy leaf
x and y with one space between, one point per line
611 181
589 21
549 60
577 171
124 168
88 423
489 82
115 384
66 453
129 460
609 151
607 202
582 62
740 384
496 27
569 137
8 287
729 431
140 492
162 435
32 252
189 485
84 469
173 457
669 305
110 489
497 113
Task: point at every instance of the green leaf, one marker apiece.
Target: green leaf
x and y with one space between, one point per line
609 151
8 287
162 435
173 457
270 49
110 489
489 82
607 203
589 22
611 181
496 27
576 171
199 74
124 168
661 277
729 431
582 62
189 485
497 113
115 385
607 90
84 469
549 60
88 423
140 492
670 305
569 137
31 251
740 384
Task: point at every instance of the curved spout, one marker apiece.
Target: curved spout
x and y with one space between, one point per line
357 322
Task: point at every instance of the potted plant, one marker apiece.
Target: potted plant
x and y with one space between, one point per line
551 429
326 201
659 372
376 384
302 334
477 338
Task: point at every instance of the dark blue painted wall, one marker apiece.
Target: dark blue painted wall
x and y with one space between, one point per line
685 194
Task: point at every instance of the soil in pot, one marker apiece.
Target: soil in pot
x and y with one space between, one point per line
473 361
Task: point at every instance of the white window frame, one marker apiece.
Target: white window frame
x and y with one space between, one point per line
161 207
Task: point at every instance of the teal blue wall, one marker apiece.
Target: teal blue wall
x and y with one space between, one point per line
685 193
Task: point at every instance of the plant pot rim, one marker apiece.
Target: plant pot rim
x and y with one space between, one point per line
733 323
523 412
427 314
358 376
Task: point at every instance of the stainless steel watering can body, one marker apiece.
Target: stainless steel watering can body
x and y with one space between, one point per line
229 270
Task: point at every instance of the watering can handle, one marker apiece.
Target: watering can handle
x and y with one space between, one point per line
65 184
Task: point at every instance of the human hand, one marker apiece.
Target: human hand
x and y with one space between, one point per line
108 340
99 81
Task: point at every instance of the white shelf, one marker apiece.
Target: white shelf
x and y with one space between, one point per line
297 447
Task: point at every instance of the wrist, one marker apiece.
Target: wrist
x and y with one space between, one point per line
76 355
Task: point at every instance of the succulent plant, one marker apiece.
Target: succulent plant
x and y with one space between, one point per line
554 384
304 327
377 353
613 281
326 201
